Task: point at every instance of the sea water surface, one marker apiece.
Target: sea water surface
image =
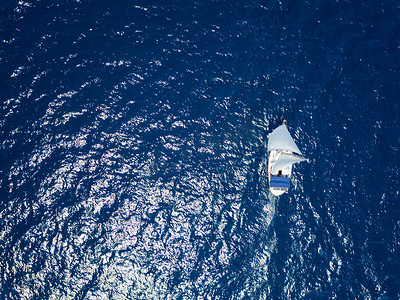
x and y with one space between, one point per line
133 149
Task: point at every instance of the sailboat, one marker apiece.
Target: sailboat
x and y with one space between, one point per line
283 154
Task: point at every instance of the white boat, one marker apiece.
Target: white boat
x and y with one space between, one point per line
283 154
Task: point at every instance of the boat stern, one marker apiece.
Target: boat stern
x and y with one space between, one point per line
278 191
279 185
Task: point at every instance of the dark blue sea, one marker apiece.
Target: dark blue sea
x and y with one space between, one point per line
133 160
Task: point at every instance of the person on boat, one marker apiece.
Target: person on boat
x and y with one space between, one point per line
280 173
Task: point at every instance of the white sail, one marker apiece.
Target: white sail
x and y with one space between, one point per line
286 160
280 139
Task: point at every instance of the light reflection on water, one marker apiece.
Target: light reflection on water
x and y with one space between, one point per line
120 215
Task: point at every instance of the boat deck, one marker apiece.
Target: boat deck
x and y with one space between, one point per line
279 182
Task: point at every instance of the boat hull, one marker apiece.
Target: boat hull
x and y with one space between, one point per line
280 185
